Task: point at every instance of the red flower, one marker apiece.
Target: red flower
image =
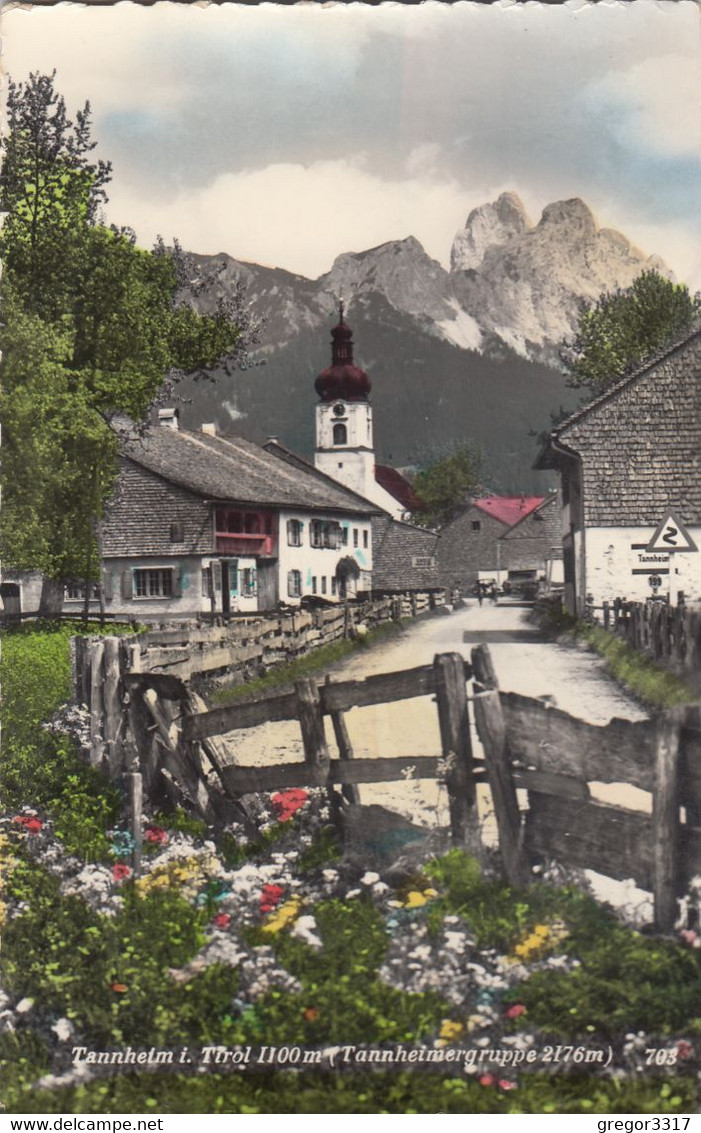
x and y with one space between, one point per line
120 988
156 834
286 803
222 920
487 1080
31 823
516 1010
120 872
311 1014
505 1084
270 897
684 1049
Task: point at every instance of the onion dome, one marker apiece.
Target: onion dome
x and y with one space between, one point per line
342 381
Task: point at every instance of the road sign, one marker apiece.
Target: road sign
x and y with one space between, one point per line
654 581
671 535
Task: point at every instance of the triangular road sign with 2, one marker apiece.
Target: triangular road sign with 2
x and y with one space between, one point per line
671 535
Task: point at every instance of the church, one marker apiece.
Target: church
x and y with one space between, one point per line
202 523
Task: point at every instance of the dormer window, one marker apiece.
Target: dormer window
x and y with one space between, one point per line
340 434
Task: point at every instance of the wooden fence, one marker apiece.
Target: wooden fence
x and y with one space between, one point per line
557 756
670 635
159 734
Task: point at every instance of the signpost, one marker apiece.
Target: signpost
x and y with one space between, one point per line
670 536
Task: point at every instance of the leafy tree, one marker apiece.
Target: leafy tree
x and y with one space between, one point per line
95 330
624 327
443 485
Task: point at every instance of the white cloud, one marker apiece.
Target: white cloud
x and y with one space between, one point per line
655 104
299 217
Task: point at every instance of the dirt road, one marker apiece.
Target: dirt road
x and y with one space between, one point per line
524 663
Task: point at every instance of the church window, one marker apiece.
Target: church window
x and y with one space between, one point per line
340 434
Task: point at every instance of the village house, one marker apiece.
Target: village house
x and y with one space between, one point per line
630 467
498 538
201 523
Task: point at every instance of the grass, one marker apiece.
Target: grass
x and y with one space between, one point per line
317 660
653 685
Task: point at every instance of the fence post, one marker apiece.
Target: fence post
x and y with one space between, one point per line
135 795
491 729
96 652
607 615
451 697
311 719
665 817
349 791
112 705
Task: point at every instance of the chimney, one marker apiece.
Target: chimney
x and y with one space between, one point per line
169 418
209 428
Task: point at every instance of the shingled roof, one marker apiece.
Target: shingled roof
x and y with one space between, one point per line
640 441
230 468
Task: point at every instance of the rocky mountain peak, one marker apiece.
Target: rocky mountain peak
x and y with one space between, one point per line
573 214
490 225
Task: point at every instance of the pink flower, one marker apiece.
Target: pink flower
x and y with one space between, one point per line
684 1049
688 935
286 803
487 1080
515 1010
505 1084
222 920
156 835
120 872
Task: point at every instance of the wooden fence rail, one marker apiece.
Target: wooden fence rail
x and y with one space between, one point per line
669 635
660 851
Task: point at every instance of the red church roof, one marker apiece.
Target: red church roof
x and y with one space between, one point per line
508 509
397 486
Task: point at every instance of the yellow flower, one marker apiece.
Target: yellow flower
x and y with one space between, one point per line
541 930
450 1032
283 916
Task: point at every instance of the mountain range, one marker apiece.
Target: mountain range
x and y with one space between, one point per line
468 354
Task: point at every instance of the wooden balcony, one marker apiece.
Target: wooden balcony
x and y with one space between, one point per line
240 543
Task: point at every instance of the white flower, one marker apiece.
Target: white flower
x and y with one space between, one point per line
369 878
63 1029
24 1005
305 928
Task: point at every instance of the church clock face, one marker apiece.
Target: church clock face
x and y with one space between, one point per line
339 410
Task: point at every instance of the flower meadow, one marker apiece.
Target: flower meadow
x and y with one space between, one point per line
284 940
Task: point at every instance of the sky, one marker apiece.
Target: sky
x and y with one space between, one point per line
289 135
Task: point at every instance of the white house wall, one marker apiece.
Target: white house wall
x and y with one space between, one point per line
618 566
320 562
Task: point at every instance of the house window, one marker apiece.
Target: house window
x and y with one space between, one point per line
75 591
340 433
153 583
365 540
344 536
355 536
177 532
333 584
294 583
476 525
314 584
248 582
323 585
251 524
325 533
294 533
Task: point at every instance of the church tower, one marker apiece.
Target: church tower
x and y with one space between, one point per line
344 444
